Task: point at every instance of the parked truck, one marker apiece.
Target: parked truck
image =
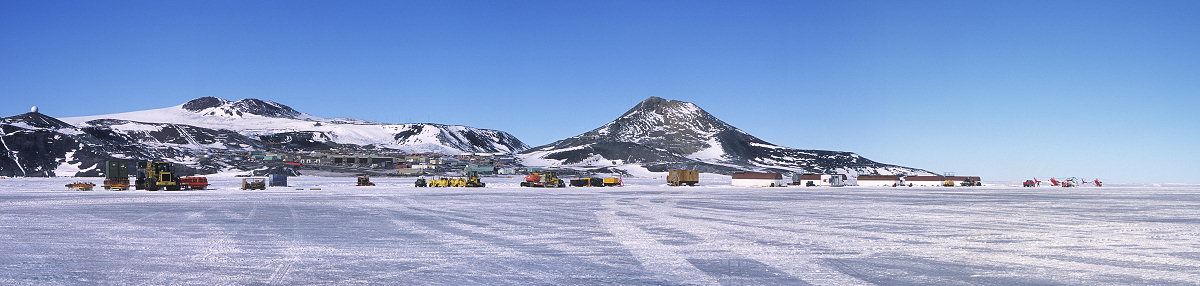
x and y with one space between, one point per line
683 177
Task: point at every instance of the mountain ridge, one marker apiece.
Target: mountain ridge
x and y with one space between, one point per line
276 123
204 135
655 135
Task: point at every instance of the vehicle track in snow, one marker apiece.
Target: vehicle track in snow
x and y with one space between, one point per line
639 234
794 261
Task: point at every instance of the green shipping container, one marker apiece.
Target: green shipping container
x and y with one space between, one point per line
116 170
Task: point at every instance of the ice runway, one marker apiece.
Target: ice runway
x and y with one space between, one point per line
639 234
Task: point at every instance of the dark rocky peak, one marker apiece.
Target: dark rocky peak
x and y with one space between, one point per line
217 106
654 101
37 120
658 119
265 108
658 105
655 110
204 103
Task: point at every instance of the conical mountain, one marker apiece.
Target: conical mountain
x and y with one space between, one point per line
660 134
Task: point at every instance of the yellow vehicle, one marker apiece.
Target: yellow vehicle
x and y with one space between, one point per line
543 180
447 182
157 176
613 182
948 183
81 186
473 180
587 182
595 182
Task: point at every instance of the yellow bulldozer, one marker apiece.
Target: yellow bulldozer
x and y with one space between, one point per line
473 180
157 176
543 180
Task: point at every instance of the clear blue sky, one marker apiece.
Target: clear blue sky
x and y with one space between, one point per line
1002 89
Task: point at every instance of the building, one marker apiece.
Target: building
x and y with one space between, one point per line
925 181
411 171
482 170
505 160
311 158
880 180
365 160
506 170
823 180
270 157
422 158
749 179
937 181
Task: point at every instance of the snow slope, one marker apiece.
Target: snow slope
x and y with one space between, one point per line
257 118
635 235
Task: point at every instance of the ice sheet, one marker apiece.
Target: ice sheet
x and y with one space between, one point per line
645 233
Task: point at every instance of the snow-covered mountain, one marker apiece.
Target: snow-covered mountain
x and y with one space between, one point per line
660 134
278 124
212 106
655 135
210 134
33 144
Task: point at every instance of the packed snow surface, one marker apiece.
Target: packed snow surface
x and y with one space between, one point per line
644 233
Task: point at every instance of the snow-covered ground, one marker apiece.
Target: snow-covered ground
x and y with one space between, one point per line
645 233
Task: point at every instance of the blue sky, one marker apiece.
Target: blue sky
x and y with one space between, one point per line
1001 89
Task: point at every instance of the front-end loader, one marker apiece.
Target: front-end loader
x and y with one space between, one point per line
157 176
